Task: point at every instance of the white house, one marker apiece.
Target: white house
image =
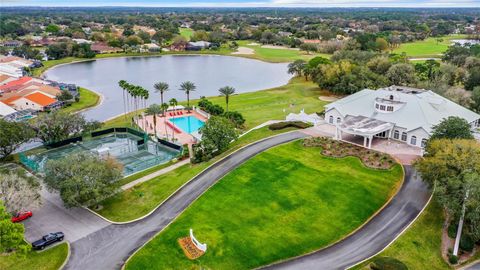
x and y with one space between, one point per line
5 110
400 113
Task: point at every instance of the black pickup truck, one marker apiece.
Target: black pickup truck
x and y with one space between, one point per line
48 240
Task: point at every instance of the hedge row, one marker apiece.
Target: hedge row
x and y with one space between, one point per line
287 124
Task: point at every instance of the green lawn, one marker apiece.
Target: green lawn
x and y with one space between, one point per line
428 47
260 106
186 32
277 55
50 259
87 99
419 247
143 198
299 201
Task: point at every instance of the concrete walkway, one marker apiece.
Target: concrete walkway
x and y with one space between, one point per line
155 174
110 247
372 238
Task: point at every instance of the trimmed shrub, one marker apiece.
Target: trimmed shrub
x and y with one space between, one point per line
185 152
467 243
235 117
209 107
452 259
452 230
387 263
287 124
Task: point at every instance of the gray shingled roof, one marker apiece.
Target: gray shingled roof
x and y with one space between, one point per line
422 109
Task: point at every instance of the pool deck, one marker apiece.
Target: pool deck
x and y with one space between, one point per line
166 129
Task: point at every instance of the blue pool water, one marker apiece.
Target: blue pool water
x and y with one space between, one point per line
188 124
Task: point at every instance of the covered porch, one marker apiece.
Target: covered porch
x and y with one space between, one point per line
363 129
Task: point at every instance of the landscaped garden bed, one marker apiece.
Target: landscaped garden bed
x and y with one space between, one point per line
287 124
334 148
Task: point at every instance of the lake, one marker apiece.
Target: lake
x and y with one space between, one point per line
208 72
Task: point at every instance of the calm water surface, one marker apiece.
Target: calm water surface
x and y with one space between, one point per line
209 73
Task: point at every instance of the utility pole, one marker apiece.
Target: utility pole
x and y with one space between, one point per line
460 226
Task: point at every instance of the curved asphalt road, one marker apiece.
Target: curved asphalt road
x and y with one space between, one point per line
372 237
108 248
475 266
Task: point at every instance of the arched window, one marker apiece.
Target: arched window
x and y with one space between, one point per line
330 119
424 143
339 120
404 136
413 140
396 135
391 97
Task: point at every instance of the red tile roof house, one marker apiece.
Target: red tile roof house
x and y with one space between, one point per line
36 101
14 85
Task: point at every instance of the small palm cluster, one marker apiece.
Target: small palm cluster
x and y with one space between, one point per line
134 97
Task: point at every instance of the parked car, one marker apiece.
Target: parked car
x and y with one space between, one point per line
48 240
21 216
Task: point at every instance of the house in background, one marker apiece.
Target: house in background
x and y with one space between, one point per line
99 47
5 110
36 102
198 45
399 113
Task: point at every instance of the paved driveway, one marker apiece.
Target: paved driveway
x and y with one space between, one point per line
374 236
109 247
52 216
474 266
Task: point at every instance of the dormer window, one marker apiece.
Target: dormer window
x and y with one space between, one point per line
391 97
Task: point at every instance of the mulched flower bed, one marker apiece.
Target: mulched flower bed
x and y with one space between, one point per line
334 148
190 250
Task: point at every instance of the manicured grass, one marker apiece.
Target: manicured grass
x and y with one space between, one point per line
186 32
428 47
50 259
277 103
88 99
261 106
420 246
143 198
277 55
284 202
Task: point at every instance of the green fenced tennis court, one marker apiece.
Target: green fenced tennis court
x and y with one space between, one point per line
132 151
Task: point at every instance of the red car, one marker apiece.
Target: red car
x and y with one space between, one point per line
21 216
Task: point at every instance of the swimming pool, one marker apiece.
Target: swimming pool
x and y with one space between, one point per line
188 124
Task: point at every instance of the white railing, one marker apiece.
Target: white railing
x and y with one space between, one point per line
201 112
200 246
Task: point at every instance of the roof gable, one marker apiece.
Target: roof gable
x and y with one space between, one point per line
420 109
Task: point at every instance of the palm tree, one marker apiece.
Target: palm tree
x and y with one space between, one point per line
164 106
161 87
123 84
188 87
154 110
173 102
227 91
